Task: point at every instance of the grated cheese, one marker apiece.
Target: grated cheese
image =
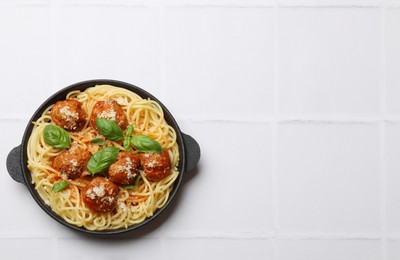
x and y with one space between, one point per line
152 163
109 200
99 191
122 206
127 167
90 194
68 114
108 114
74 165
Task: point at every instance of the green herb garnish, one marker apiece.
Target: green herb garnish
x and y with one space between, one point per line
145 143
97 141
127 139
59 186
131 187
56 136
109 128
102 159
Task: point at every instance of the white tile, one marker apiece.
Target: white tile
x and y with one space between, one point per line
329 61
231 191
220 62
351 3
109 248
222 3
97 42
329 250
34 249
392 57
392 3
217 3
205 248
25 62
25 217
329 179
24 2
392 166
106 2
393 250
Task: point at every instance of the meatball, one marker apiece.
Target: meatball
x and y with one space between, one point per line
100 195
69 115
155 166
109 110
72 162
125 170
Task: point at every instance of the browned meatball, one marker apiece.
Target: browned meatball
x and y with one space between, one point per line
72 162
155 166
100 195
69 115
125 170
109 110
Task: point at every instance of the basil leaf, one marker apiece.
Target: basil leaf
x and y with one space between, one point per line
59 186
127 140
56 136
102 159
127 144
131 187
109 128
129 131
97 141
145 143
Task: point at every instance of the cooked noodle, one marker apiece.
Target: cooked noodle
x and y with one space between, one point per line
133 206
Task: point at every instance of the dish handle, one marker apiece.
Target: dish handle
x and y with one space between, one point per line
14 167
192 151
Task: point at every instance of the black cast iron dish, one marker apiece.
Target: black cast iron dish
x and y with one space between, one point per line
17 159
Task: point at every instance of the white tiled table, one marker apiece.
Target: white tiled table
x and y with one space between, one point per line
295 104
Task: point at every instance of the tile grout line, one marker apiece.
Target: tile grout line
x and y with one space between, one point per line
383 184
53 45
163 244
383 60
274 136
241 236
54 247
282 236
163 59
232 3
382 130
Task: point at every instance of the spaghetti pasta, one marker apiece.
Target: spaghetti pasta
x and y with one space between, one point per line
133 205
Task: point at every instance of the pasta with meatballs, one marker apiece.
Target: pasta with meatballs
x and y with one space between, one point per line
108 181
